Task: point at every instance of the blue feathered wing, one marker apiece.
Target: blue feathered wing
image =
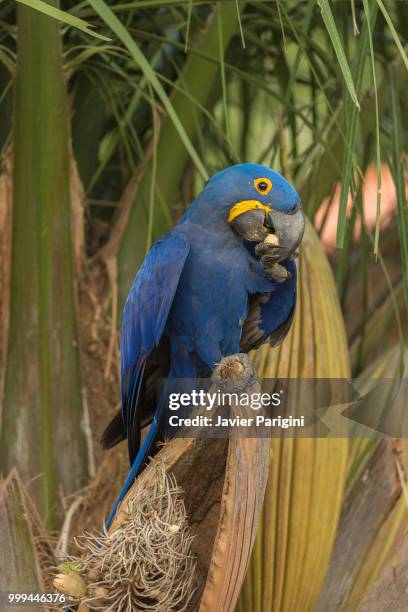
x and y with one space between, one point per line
144 319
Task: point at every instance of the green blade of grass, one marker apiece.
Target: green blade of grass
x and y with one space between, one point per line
190 10
152 193
334 35
343 262
393 32
222 73
63 16
122 33
377 128
353 15
282 27
241 30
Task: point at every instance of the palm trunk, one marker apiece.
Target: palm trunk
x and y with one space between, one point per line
41 421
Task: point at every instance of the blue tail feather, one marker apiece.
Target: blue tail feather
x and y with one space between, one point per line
137 464
187 371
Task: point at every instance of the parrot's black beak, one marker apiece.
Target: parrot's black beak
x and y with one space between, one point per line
289 228
250 225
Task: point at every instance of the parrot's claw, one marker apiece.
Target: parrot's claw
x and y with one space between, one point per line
275 271
270 254
266 249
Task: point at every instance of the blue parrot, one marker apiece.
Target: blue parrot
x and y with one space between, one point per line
211 287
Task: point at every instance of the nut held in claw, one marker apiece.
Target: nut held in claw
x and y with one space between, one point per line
271 239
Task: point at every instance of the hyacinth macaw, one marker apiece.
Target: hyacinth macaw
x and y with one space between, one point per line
207 289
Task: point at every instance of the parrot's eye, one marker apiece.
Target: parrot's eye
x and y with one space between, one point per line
263 185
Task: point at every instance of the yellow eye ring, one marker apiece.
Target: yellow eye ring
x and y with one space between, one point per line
263 185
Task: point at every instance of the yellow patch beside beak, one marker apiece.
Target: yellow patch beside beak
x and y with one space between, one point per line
245 206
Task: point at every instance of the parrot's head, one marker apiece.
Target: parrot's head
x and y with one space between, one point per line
256 201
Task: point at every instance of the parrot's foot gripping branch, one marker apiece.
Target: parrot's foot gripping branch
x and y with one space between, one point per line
234 373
